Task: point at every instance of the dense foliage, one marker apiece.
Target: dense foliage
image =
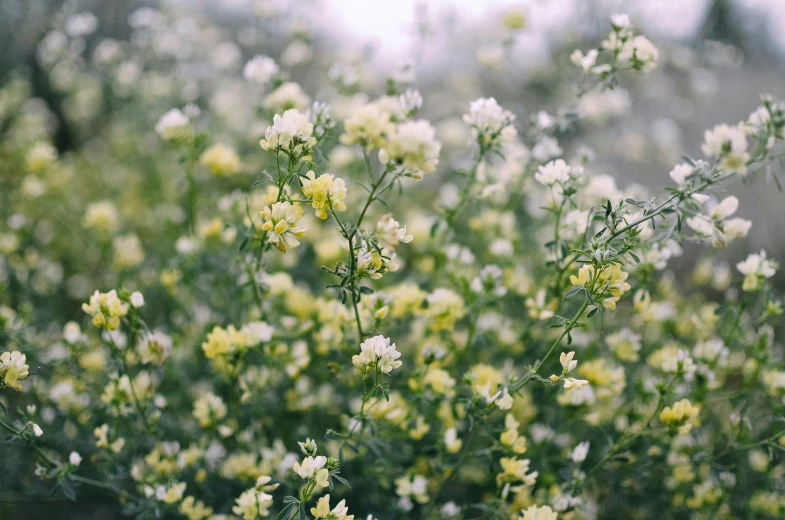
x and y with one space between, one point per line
368 316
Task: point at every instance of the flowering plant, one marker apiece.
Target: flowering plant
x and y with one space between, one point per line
287 325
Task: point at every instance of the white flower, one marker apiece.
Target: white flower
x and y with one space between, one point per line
375 263
725 209
81 24
539 513
410 101
505 401
172 125
74 459
282 223
567 361
546 147
451 440
490 122
390 234
377 352
641 53
137 299
737 227
490 279
310 466
554 172
575 222
729 144
257 332
579 453
571 383
755 268
413 147
260 70
621 20
680 172
37 430
13 368
450 509
292 131
288 96
585 62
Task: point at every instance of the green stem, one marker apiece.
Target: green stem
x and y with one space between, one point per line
189 173
570 325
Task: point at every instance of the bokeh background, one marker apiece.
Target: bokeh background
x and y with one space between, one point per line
717 56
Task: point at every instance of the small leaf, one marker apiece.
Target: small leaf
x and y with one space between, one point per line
284 511
342 481
635 257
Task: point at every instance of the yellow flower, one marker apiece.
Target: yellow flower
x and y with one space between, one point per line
106 309
282 225
325 191
13 369
682 414
220 160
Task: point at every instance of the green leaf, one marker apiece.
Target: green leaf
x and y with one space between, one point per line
5 410
688 160
635 257
342 481
573 291
284 511
290 500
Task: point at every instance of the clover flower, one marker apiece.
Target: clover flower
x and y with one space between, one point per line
282 223
539 513
13 369
369 126
729 145
209 409
716 228
288 96
326 192
412 147
682 415
555 172
412 486
375 263
339 512
490 123
291 133
390 234
377 353
220 159
260 70
445 307
106 309
174 126
756 268
608 285
515 470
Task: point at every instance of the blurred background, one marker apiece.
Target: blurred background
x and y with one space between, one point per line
719 55
98 74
